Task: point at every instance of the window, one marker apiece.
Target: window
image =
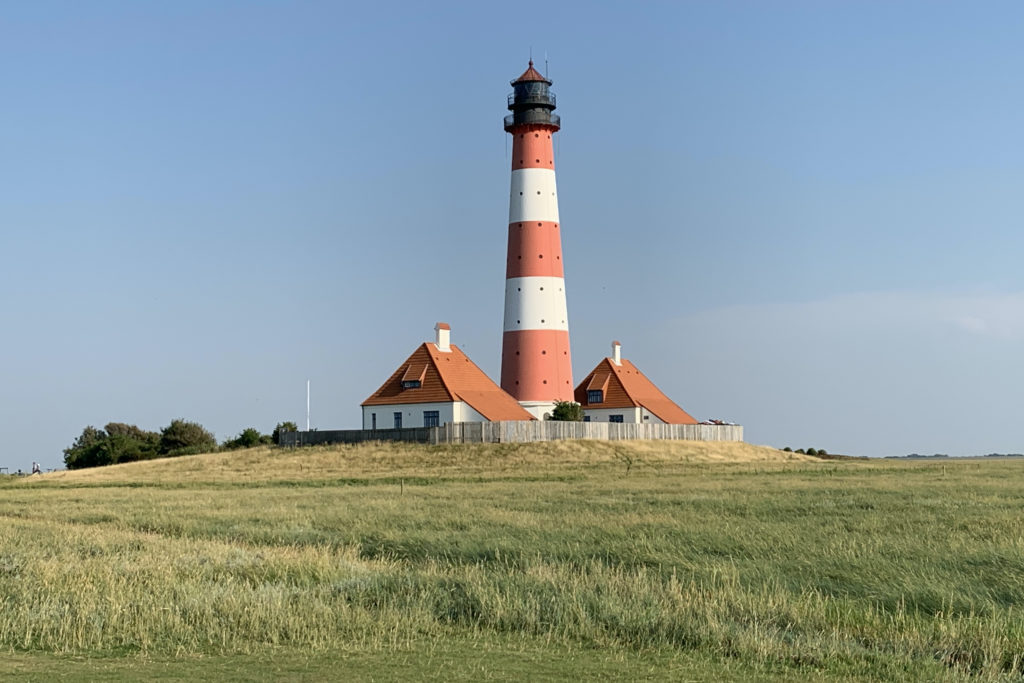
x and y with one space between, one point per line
431 418
595 396
410 384
586 418
398 420
373 418
615 418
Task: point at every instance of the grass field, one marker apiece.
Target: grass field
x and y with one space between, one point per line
618 561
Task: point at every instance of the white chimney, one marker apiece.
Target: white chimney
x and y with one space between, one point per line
617 353
443 338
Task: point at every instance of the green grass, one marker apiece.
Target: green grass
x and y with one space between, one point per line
549 561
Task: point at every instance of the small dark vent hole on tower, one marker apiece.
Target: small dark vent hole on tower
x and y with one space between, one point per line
520 194
536 135
517 353
540 256
543 353
537 160
519 289
542 289
538 191
545 381
542 319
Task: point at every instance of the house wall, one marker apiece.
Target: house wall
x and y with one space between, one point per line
412 414
648 417
465 413
630 415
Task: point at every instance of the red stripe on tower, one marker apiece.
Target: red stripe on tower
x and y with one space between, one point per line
536 367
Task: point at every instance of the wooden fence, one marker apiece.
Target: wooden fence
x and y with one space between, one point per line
519 432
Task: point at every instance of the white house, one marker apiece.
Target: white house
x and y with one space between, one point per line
616 391
437 384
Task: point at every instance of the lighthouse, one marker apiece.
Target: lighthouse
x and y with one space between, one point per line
536 366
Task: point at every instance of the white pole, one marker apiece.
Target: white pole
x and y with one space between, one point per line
307 405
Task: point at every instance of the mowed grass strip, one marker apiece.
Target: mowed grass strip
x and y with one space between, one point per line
780 567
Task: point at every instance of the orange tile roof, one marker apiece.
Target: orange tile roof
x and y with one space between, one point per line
447 376
627 387
531 74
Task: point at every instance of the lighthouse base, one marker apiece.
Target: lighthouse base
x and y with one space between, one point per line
539 409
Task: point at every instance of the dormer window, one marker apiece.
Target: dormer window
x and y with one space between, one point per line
413 377
596 387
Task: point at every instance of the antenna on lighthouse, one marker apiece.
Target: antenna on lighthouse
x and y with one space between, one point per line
307 405
547 74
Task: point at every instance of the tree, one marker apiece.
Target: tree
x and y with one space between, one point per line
84 452
185 438
127 443
567 411
283 427
117 442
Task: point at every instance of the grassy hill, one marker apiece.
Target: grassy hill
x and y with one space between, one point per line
318 463
625 561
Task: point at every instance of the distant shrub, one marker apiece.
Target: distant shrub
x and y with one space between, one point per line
186 438
822 451
247 439
788 449
811 451
115 443
799 450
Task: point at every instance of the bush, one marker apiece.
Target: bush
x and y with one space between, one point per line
788 449
567 411
115 443
247 439
282 427
185 438
811 451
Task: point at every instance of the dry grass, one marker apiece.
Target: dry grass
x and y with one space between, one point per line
410 460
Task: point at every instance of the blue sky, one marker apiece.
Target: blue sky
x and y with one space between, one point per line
801 216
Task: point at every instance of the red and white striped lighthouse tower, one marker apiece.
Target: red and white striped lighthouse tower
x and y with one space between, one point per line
536 367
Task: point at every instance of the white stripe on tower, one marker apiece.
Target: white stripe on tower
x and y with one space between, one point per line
533 196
